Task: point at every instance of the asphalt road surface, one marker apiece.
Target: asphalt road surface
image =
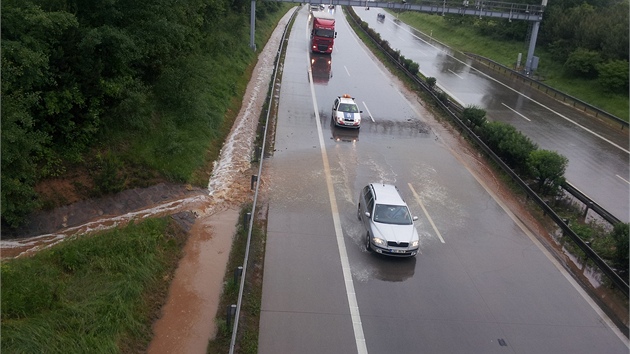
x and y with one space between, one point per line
482 283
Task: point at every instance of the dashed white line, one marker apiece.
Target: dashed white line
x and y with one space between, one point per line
623 179
417 197
368 110
454 73
510 108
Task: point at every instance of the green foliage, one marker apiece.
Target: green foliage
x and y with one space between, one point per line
613 76
31 38
88 294
108 175
583 62
547 168
509 144
431 81
413 68
22 147
442 96
474 116
620 235
82 75
595 27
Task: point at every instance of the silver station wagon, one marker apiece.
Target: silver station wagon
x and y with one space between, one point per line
387 220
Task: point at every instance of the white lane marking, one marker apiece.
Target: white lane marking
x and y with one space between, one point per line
368 110
454 73
357 326
513 110
417 197
347 72
623 179
529 98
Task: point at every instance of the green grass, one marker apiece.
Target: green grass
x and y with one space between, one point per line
466 40
98 293
247 336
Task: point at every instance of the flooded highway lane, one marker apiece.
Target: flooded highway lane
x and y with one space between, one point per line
482 283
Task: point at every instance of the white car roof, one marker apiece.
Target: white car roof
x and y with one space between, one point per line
387 194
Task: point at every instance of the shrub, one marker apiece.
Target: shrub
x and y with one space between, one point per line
509 144
613 76
474 116
414 68
582 62
108 177
620 234
547 167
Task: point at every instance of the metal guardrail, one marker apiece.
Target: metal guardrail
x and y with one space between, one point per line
558 95
262 153
620 283
590 204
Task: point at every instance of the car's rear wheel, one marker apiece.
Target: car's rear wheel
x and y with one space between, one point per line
368 246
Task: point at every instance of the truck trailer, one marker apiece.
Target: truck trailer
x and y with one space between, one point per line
322 32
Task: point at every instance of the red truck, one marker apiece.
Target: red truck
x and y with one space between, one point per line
323 32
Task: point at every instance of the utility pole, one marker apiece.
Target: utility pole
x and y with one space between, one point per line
252 21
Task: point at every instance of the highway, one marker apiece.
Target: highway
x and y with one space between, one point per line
483 283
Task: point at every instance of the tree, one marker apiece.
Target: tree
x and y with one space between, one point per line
613 76
547 168
31 37
583 62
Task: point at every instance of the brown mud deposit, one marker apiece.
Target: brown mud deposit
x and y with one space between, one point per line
187 321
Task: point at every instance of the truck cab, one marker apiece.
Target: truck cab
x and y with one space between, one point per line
322 32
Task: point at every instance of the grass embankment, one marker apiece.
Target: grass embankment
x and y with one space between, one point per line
95 294
466 40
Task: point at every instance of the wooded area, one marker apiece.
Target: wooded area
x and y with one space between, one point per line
115 86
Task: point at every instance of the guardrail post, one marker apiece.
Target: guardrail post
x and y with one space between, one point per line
231 310
237 273
246 218
589 205
254 180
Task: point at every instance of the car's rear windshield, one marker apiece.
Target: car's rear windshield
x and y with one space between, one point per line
392 214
